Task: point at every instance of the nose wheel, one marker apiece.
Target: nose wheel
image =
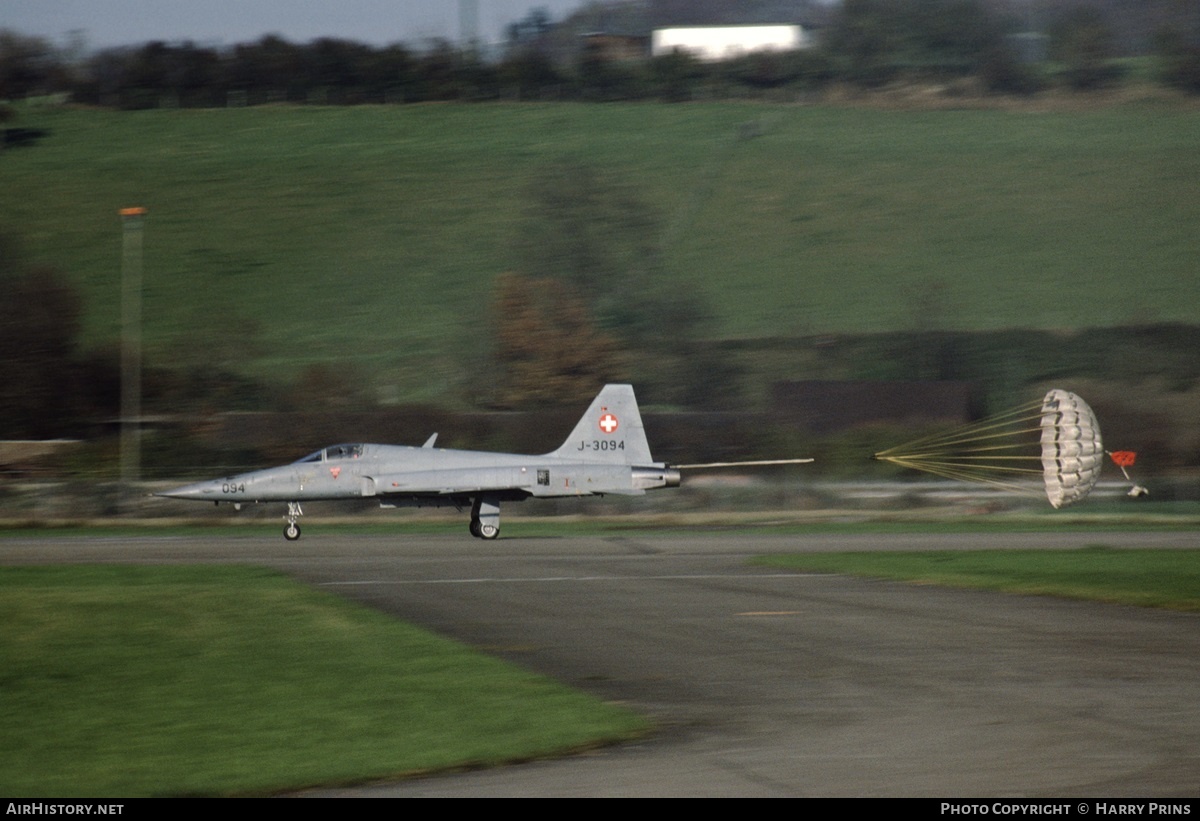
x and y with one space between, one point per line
291 530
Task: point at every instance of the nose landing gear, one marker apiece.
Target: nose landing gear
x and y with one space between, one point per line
291 531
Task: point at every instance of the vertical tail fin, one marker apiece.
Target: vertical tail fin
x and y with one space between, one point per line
610 431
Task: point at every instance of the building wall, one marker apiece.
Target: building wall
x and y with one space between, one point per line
712 43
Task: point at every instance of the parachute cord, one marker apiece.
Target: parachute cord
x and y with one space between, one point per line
977 451
980 429
928 464
960 457
968 437
990 449
951 472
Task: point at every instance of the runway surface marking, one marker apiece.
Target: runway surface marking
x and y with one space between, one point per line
555 579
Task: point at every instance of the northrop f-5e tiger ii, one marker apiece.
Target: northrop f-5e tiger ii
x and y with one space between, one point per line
607 452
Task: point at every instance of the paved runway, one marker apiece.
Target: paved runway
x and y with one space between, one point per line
775 684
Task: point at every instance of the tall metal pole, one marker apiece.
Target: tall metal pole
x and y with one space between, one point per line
131 350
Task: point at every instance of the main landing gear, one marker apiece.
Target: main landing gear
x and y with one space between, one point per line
482 531
291 531
485 517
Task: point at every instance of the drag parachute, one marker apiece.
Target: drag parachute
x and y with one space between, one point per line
1072 453
1057 439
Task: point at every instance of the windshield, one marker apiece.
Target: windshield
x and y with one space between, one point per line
334 452
343 452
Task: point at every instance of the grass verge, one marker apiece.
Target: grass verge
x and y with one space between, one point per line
134 681
1099 518
1168 579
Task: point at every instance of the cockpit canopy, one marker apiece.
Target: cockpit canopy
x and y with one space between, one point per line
333 452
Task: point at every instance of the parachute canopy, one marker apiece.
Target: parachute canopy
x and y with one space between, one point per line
1057 439
1072 453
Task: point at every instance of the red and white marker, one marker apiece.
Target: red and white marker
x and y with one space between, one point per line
608 423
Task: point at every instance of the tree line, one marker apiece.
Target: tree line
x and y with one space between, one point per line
863 42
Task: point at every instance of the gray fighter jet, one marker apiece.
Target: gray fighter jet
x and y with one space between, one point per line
607 452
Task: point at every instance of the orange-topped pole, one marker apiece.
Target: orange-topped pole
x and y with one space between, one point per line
131 350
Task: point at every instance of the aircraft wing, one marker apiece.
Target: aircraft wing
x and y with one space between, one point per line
519 481
453 482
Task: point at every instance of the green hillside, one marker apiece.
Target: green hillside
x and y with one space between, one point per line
281 236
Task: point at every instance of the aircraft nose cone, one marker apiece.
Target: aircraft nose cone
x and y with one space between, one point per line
199 490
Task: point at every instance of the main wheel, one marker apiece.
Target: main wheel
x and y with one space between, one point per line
291 532
475 529
488 531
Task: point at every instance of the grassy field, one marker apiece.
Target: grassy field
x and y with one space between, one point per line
1148 578
370 236
131 681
